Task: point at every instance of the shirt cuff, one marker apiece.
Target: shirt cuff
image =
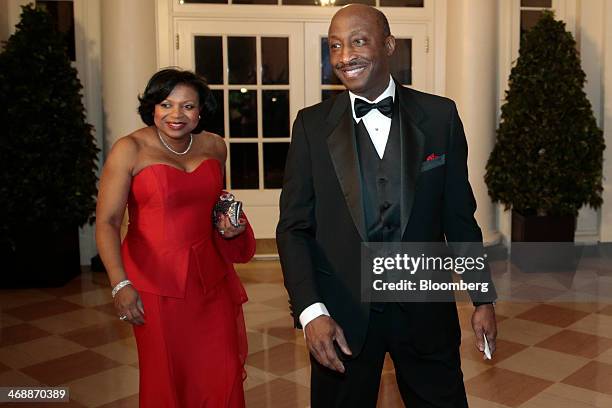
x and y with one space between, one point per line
312 312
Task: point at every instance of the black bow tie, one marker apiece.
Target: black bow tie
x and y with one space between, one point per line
385 107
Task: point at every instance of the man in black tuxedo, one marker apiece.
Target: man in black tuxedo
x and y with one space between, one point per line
379 163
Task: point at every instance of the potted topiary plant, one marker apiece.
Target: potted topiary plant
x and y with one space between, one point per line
47 157
547 160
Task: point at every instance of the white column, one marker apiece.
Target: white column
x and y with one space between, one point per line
606 209
10 13
128 61
472 82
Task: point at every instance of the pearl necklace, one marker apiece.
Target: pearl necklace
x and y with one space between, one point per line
171 149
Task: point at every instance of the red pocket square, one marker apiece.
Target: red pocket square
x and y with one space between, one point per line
431 157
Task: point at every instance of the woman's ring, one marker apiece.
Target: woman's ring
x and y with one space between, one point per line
123 318
222 232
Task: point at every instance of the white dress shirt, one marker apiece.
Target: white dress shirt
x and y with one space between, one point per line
378 126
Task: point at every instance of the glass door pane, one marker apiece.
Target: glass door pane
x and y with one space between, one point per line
401 61
243 113
209 58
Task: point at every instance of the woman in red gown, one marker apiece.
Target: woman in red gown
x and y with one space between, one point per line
172 276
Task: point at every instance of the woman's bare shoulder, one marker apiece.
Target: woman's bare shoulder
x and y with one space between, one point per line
127 148
214 146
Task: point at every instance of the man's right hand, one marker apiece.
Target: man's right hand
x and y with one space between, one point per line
320 336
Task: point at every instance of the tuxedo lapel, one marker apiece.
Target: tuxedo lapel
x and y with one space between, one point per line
343 152
412 148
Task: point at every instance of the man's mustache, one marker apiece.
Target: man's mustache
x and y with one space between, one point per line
351 63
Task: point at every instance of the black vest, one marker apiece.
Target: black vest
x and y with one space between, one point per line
381 182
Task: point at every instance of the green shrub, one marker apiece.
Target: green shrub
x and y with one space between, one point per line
548 155
47 150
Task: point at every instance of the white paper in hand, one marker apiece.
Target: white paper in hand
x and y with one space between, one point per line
487 349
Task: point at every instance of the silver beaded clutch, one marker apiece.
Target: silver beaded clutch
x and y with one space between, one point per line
228 205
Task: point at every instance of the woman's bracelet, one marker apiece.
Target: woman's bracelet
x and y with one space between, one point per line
120 286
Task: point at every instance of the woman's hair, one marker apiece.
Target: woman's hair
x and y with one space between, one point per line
161 85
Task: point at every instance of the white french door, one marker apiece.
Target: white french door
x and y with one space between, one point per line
262 74
256 73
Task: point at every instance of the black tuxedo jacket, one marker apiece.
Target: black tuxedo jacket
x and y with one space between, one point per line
322 225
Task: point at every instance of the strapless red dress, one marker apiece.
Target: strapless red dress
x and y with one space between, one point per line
192 347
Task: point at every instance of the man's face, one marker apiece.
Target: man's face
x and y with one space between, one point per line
359 51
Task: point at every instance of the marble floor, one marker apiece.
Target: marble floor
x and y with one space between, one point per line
550 355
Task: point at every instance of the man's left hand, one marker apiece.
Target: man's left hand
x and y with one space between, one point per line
484 323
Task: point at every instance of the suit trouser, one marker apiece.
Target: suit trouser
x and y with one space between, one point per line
425 380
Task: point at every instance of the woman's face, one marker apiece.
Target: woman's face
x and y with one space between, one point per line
178 114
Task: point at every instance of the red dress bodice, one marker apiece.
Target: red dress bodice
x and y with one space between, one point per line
170 221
